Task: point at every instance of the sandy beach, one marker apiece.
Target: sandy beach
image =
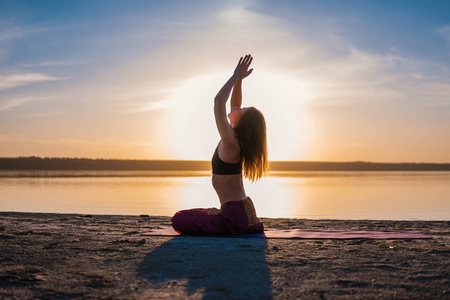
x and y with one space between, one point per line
67 256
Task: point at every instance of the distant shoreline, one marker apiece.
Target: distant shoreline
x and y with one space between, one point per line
84 164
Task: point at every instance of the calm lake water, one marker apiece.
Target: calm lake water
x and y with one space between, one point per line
311 195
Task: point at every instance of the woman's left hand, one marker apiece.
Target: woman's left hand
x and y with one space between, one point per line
242 70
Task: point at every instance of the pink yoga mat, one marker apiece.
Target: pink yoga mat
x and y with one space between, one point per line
271 233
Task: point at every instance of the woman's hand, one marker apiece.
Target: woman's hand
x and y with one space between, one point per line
242 70
214 211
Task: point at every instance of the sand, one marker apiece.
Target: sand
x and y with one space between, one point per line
64 256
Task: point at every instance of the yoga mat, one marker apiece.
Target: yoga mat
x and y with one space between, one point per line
271 233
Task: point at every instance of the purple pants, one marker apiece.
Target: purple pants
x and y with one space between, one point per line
237 217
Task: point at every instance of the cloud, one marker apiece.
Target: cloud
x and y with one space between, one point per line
444 33
11 33
326 76
44 114
13 36
153 106
15 80
53 64
16 102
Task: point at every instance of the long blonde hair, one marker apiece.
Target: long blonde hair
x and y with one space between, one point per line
251 133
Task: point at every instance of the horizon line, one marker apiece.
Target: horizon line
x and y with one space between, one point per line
194 160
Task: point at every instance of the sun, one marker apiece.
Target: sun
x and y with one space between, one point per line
191 129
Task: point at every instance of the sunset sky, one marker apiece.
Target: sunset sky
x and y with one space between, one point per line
336 80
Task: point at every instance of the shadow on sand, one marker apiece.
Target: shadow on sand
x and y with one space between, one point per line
221 268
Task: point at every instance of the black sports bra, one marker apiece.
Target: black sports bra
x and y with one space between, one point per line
220 167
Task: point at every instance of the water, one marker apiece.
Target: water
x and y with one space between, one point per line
311 195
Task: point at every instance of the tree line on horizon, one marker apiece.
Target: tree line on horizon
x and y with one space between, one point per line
48 163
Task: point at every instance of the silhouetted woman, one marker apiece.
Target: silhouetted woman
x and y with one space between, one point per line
242 151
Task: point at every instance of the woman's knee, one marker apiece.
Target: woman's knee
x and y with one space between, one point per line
178 221
193 221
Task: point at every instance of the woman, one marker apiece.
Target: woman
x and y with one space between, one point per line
243 146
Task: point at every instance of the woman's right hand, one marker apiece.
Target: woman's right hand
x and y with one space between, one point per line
242 70
214 211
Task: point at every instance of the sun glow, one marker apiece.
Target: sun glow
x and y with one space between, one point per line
192 132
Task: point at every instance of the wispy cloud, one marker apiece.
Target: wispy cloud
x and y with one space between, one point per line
15 80
16 102
153 106
44 114
444 33
53 64
11 33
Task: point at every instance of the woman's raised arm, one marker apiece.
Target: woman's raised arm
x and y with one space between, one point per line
240 72
236 96
220 113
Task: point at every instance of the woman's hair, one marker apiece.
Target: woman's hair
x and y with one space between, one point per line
251 133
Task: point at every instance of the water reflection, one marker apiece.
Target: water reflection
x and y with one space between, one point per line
372 195
313 195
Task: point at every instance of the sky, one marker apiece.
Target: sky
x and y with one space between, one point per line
336 80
